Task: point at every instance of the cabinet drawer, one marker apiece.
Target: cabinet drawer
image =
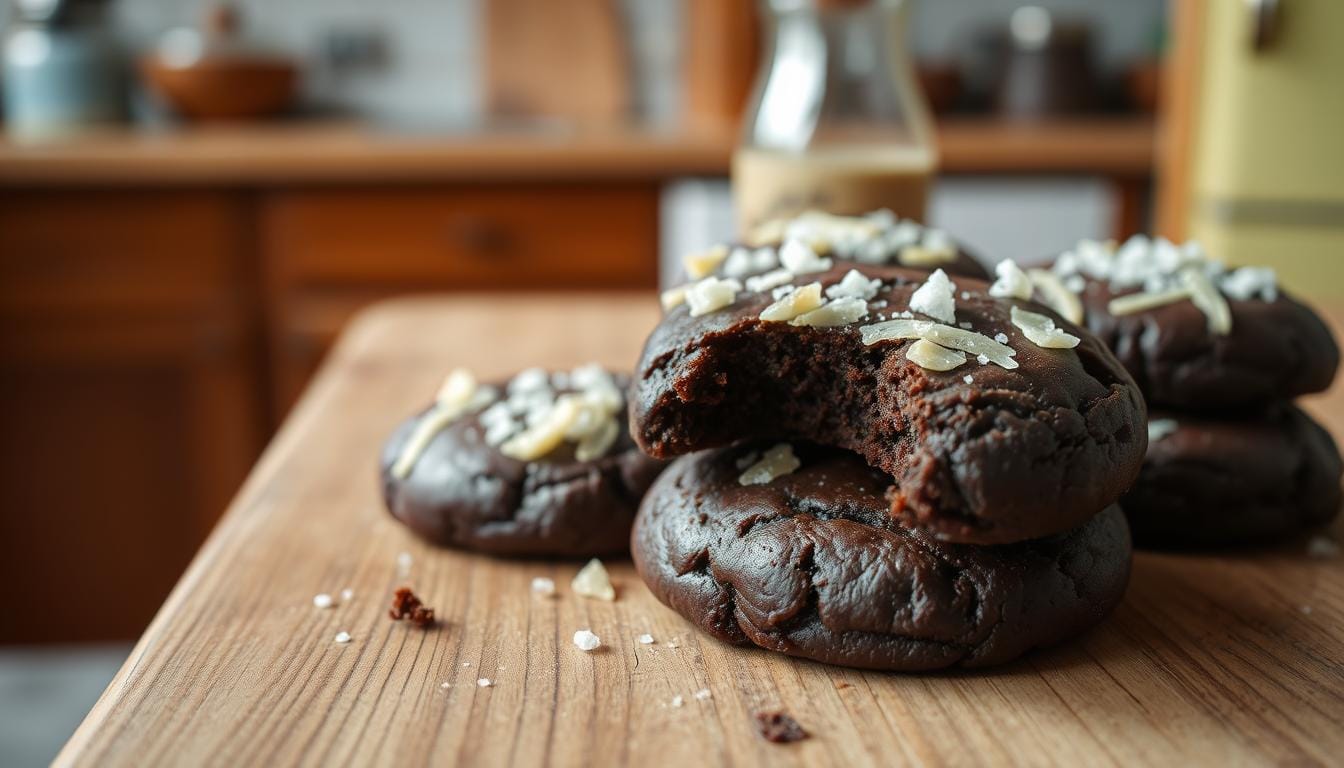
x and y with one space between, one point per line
117 250
496 236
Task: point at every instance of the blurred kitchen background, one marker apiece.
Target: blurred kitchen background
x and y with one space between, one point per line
195 197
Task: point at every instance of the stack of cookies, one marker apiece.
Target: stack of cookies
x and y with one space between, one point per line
1219 354
881 467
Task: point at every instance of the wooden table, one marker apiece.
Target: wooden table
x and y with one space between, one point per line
1211 659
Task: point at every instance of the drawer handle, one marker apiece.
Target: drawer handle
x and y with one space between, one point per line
482 238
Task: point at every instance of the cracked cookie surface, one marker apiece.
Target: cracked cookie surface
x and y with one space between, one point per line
810 564
1222 482
1006 456
463 492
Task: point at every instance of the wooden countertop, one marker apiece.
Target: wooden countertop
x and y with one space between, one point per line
318 153
1210 660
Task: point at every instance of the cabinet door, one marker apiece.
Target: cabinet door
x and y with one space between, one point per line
129 394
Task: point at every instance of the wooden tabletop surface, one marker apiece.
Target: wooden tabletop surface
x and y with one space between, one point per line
265 154
1211 659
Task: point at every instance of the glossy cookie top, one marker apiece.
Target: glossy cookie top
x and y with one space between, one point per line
982 452
1246 343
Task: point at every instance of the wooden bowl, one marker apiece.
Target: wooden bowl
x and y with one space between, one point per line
224 88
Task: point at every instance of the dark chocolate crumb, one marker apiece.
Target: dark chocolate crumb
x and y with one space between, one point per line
405 605
777 727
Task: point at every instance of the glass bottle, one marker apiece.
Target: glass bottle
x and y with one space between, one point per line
837 121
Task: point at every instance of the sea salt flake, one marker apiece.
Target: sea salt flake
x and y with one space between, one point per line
585 640
677 701
592 581
347 595
645 639
543 587
485 682
323 600
935 298
711 295
1011 281
799 258
703 695
854 285
343 637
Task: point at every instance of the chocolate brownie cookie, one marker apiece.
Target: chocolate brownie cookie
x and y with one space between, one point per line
1217 482
543 466
1241 341
1012 439
877 239
809 563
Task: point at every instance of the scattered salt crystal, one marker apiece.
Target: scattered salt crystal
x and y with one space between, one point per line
799 258
711 294
592 581
984 359
703 695
543 587
585 640
1012 282
445 685
347 595
466 663
485 682
645 639
404 562
968 378
854 285
1001 337
769 281
677 701
323 601
343 637
935 298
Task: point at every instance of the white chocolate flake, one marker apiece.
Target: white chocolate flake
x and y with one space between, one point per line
835 313
592 581
934 357
711 295
775 462
945 335
796 302
1041 331
1056 295
703 263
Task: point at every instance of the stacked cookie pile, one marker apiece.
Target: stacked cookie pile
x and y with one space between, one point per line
1219 354
880 467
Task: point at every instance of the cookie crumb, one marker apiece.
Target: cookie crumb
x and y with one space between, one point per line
485 682
1322 547
405 605
703 695
645 639
592 581
343 637
323 600
778 727
543 587
585 640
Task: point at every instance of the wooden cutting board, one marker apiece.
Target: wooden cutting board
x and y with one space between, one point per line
1211 659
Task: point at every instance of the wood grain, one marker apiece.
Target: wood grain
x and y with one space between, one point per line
1211 659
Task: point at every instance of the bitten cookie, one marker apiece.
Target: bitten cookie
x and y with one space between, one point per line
1217 482
1194 334
876 239
998 420
791 548
544 467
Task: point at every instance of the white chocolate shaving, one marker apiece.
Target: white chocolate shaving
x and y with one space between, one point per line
711 294
796 302
1011 282
1056 295
454 397
673 297
934 357
945 335
767 233
1143 301
769 280
776 462
598 442
839 312
801 259
543 437
1209 300
592 581
1041 330
924 256
1160 428
704 262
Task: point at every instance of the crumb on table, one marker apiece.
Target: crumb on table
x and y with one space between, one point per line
405 605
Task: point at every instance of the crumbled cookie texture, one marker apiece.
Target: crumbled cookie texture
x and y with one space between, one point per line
944 335
777 727
585 640
405 605
936 298
1011 282
796 302
1160 428
592 581
1041 331
934 357
775 462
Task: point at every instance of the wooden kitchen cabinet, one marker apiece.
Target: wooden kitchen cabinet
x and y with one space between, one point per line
130 394
328 252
